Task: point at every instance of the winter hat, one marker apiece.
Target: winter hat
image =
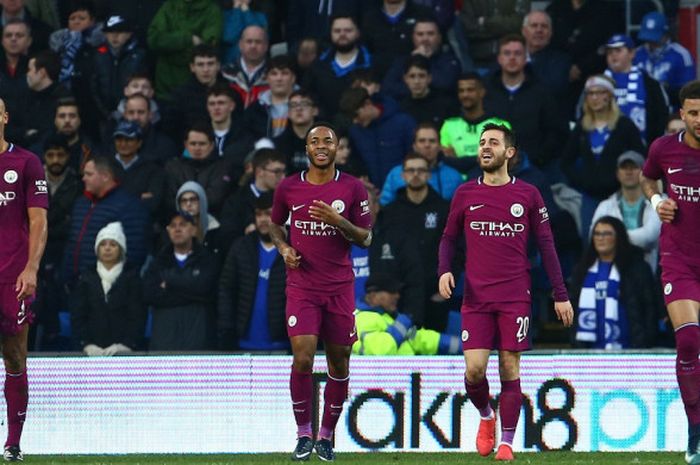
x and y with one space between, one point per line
112 231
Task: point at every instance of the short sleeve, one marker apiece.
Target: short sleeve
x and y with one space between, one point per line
360 213
36 190
652 166
280 210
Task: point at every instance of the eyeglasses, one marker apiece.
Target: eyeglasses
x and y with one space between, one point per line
293 105
603 234
276 172
189 200
415 170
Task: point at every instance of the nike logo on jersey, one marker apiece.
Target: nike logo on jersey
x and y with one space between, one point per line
674 170
297 207
475 207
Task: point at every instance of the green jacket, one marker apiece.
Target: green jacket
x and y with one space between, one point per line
170 38
463 136
374 340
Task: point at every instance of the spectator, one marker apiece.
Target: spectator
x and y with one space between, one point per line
141 178
387 28
237 18
630 206
75 43
640 97
64 188
614 292
192 199
108 315
199 162
178 27
423 102
314 19
138 83
459 135
393 252
380 133
68 124
674 124
485 23
267 116
590 157
251 306
420 211
37 111
307 53
114 62
16 39
188 102
382 330
103 202
332 73
139 13
180 284
441 178
225 116
247 75
39 30
157 146
514 95
442 65
238 213
303 110
664 60
549 65
579 29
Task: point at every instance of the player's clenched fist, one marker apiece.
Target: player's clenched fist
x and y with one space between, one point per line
290 256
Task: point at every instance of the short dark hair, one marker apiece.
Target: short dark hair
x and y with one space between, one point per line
138 95
352 100
264 201
139 75
690 91
321 124
426 125
56 141
364 75
471 76
105 164
203 50
342 15
508 134
417 61
508 38
203 127
82 5
221 88
67 102
263 156
427 18
12 21
414 156
49 61
281 62
303 93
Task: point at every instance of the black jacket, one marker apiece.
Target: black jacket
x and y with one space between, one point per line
118 317
59 216
37 113
532 111
638 295
434 107
237 213
141 177
597 177
237 287
294 147
212 173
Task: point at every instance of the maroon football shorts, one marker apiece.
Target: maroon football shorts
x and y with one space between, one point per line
680 279
13 314
330 317
500 325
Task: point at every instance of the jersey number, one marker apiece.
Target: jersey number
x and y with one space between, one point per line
523 325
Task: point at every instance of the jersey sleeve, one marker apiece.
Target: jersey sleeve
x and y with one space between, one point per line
455 221
280 209
360 213
652 166
539 221
36 190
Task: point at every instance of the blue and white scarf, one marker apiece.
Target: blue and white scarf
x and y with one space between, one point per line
631 96
599 302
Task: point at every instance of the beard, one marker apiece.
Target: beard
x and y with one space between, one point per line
57 169
265 237
497 162
345 48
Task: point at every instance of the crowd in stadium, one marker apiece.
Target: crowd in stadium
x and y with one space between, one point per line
165 126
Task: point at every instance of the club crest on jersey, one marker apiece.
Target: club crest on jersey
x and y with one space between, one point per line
668 288
517 210
339 205
465 335
431 219
292 321
10 176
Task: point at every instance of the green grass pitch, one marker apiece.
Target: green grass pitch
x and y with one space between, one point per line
380 458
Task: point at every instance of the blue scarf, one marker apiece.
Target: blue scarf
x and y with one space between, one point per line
599 302
631 96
